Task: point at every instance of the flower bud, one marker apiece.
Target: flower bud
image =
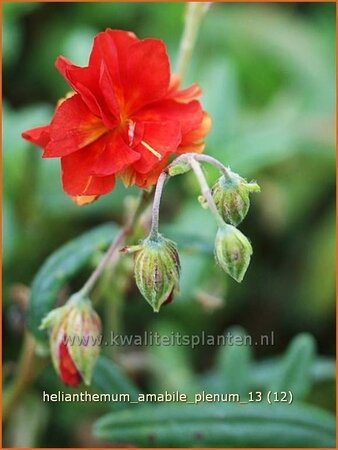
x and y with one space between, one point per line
231 196
157 270
232 251
74 340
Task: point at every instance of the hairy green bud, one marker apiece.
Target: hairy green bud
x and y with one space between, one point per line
232 251
231 196
157 270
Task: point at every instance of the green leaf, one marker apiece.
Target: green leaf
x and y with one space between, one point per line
219 425
234 362
62 265
109 379
295 368
322 370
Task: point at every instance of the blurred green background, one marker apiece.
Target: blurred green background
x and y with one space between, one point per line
268 78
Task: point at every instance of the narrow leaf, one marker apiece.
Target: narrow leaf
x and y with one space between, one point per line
295 370
219 425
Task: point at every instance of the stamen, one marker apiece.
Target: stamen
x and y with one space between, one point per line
87 185
131 130
154 152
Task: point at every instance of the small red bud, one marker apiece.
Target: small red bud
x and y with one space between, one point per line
74 340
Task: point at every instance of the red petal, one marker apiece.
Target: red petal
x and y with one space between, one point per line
148 74
194 140
110 45
159 140
189 115
85 81
77 182
115 156
39 136
72 128
99 84
106 156
145 180
83 84
110 55
130 177
68 371
186 95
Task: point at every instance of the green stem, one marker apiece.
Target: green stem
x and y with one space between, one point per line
194 14
89 284
156 204
214 162
205 189
186 157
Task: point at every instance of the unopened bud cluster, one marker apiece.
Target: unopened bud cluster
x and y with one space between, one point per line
75 328
232 248
157 265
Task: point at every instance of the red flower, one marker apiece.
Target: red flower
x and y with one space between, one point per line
124 118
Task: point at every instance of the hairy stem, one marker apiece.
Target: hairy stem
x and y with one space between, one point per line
156 203
214 162
194 14
205 189
192 159
203 158
89 284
